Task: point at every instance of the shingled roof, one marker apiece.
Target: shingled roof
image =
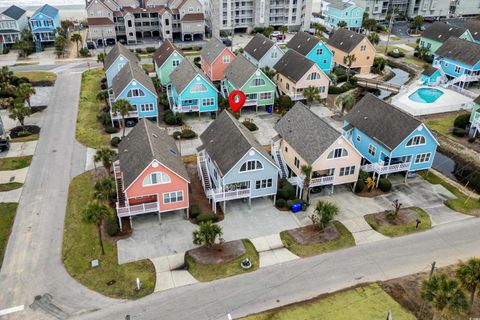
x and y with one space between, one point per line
47 10
131 71
13 12
212 49
473 25
440 31
190 17
258 46
184 74
299 123
293 65
164 51
477 100
381 121
345 40
102 21
117 50
339 4
226 141
239 71
429 71
303 42
460 50
143 144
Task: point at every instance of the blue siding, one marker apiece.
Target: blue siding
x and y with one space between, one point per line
363 145
353 16
322 56
434 78
116 66
270 58
44 27
182 97
138 101
455 68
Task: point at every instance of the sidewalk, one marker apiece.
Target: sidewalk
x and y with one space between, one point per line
20 149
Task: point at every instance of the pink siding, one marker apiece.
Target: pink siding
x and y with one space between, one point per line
136 189
216 71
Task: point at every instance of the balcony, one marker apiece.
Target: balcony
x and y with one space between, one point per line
189 108
118 116
128 211
322 181
381 168
219 195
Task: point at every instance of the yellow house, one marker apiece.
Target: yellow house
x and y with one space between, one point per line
345 42
306 139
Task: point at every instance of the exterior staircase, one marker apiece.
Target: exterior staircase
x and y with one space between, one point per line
119 186
205 176
279 161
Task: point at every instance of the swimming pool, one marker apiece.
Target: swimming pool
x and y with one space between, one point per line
426 95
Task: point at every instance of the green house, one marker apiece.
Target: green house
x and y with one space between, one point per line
475 118
166 59
439 32
243 75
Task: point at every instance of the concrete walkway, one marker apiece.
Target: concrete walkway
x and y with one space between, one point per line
13 175
168 275
20 149
271 250
11 196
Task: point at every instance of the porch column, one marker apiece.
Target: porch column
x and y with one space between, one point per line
406 176
331 192
224 206
249 203
187 213
131 222
274 199
120 223
159 218
355 185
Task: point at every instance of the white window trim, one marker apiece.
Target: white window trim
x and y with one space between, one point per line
429 154
416 145
374 149
335 158
154 184
246 167
176 195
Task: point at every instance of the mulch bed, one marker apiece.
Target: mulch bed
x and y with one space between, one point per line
36 109
370 194
404 216
312 235
20 131
219 253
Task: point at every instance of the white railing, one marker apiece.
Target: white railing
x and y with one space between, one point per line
218 196
384 169
321 181
128 211
295 96
131 114
250 102
296 181
186 108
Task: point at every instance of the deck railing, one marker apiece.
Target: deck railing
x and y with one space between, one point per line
128 211
218 196
384 169
321 181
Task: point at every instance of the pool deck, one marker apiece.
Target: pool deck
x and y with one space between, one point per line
448 102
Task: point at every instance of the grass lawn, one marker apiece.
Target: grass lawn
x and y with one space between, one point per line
7 216
10 186
89 131
462 203
35 76
80 246
416 61
381 49
401 230
32 137
346 240
15 163
191 53
209 272
361 303
442 124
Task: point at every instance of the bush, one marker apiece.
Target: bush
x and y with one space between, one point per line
282 182
104 118
459 132
280 203
115 142
177 135
196 61
472 139
396 54
385 185
360 186
428 59
195 211
172 119
363 175
6 50
203 217
289 204
150 49
43 83
112 227
139 51
103 86
461 121
188 134
250 125
284 103
84 52
110 129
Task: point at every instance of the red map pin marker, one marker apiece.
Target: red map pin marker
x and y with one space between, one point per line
236 99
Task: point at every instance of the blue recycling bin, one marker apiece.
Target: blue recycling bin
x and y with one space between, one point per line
296 207
269 109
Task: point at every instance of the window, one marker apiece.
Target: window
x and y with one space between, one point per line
198 87
146 107
458 69
274 55
372 149
286 149
287 85
135 93
156 178
265 96
322 89
415 141
296 161
175 62
319 51
262 184
347 171
251 165
258 82
363 48
129 24
359 138
167 22
337 153
313 76
207 102
422 157
226 59
171 197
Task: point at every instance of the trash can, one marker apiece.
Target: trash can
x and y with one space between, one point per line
269 109
296 207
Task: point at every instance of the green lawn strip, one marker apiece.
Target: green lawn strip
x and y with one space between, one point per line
462 203
80 246
88 130
400 230
416 61
4 187
35 76
209 272
381 49
442 125
361 303
191 53
346 240
7 216
15 163
32 137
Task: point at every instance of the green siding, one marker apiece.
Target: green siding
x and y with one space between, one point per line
475 112
164 71
434 45
249 89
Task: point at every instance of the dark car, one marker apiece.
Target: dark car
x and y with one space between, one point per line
227 42
90 45
4 145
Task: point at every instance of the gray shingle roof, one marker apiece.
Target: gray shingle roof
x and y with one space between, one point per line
460 50
429 71
303 42
339 4
307 133
239 71
293 65
117 50
48 10
164 51
440 31
345 40
226 141
131 71
477 100
258 46
145 143
381 121
184 74
473 25
212 49
14 12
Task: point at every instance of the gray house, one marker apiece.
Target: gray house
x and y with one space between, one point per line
262 51
233 164
12 21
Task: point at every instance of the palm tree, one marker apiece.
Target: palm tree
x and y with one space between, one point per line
444 294
346 101
342 24
105 189
106 156
374 38
283 29
319 28
101 58
468 274
123 107
307 172
19 111
103 95
6 77
269 72
95 213
207 234
324 213
369 24
77 38
349 60
26 91
312 94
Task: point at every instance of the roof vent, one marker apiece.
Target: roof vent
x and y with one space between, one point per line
154 135
173 151
308 39
365 118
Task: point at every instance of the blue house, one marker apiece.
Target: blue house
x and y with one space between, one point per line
431 76
312 48
340 10
133 84
191 90
262 51
233 164
44 23
389 139
116 59
12 22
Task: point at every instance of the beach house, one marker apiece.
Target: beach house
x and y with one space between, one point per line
166 59
262 51
312 48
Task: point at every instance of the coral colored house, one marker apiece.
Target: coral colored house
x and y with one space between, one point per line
149 173
215 58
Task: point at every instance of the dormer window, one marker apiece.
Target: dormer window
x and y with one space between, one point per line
135 93
251 165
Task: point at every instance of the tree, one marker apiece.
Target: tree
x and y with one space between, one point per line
374 38
25 47
416 23
283 29
397 205
25 92
207 234
468 274
342 24
312 94
95 213
76 37
369 24
101 58
105 189
106 156
370 183
6 79
444 294
307 172
103 95
19 111
267 32
349 60
346 101
123 107
60 44
284 103
323 213
269 72
61 32
319 28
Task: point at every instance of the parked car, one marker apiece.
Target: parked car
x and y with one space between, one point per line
227 42
429 19
4 145
278 35
90 45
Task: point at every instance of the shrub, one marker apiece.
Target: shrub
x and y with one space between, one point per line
471 139
282 194
459 132
104 118
177 135
172 119
360 186
188 134
196 61
150 49
250 125
84 52
280 203
428 59
103 86
43 83
139 51
289 204
283 103
112 227
110 129
282 182
385 185
204 217
115 142
363 175
195 211
104 80
6 50
461 121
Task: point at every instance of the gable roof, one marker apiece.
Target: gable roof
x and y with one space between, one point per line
293 65
164 51
47 10
131 71
303 42
429 71
184 74
339 4
258 46
473 25
345 40
102 21
381 121
460 50
306 132
477 100
239 71
440 31
14 12
143 144
226 141
190 17
117 50
212 49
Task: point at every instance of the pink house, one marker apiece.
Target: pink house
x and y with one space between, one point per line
215 58
149 173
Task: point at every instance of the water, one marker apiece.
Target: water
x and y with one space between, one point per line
457 170
400 77
426 95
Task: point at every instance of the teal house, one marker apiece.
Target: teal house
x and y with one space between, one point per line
166 59
116 59
475 118
243 75
340 10
44 23
190 90
431 76
313 49
439 32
